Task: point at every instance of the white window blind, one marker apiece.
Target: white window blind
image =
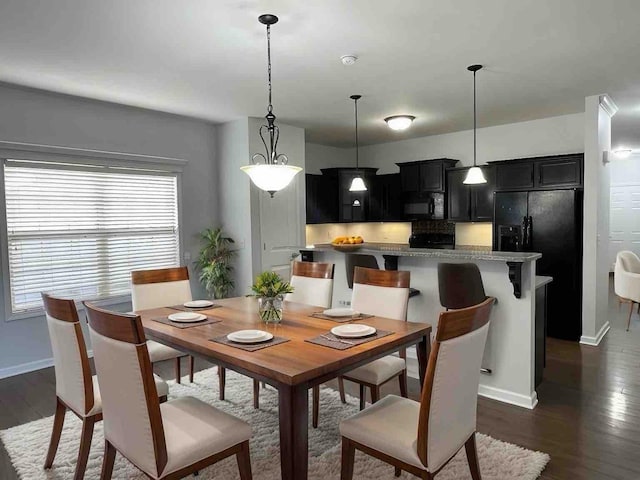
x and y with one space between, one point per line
80 231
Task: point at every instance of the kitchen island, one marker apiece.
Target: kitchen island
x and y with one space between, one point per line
509 359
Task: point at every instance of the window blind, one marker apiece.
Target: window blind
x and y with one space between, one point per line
79 232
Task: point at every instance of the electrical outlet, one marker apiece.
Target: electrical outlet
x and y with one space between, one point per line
344 303
240 244
187 256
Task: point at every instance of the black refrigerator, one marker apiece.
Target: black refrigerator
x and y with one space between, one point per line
548 222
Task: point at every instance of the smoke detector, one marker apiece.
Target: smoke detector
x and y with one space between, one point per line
348 59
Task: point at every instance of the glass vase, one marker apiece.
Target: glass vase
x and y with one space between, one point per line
270 309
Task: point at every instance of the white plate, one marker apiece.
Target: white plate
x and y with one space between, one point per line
340 312
187 317
249 336
198 303
353 330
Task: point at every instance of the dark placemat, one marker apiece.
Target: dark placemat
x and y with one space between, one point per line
166 321
182 308
339 343
360 316
249 347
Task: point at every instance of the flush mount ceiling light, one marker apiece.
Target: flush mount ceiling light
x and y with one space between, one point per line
348 59
474 175
399 122
270 172
623 152
357 184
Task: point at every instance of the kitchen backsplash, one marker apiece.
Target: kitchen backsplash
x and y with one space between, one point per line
477 234
383 232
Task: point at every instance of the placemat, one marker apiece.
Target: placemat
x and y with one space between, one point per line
249 347
182 308
331 341
360 316
166 321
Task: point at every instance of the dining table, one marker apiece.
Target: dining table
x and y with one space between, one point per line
292 367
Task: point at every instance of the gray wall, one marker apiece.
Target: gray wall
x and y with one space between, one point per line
33 116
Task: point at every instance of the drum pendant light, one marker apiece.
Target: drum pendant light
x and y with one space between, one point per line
357 184
474 175
270 172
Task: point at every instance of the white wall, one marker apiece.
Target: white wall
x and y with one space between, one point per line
624 222
34 116
595 274
324 156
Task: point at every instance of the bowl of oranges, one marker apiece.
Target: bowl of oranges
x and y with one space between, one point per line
347 244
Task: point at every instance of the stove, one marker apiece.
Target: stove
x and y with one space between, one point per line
432 240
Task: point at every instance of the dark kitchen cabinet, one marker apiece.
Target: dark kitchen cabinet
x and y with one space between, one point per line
514 176
425 175
354 206
321 198
540 173
563 171
385 201
470 203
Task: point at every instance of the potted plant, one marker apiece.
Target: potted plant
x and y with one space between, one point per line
214 262
270 289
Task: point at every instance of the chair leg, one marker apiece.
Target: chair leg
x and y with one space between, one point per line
472 457
316 405
398 472
348 458
256 394
191 362
244 462
177 364
108 461
343 397
85 446
222 380
58 422
363 397
375 393
403 384
630 313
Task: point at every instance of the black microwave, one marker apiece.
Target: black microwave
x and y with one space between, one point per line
429 206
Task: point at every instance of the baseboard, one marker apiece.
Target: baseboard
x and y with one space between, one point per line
30 367
595 341
507 396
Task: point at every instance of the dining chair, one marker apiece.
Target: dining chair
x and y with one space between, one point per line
460 285
76 389
626 280
313 285
384 293
161 288
168 441
422 437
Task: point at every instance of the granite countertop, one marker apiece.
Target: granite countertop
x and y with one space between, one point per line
467 252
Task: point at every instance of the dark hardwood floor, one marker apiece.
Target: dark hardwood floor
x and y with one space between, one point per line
587 419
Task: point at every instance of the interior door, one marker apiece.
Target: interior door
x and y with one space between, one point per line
281 227
624 227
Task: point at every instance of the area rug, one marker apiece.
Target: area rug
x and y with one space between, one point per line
27 444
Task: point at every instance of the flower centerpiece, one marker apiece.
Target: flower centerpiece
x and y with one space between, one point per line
270 289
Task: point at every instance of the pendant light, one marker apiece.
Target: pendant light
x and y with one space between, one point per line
357 184
270 172
474 175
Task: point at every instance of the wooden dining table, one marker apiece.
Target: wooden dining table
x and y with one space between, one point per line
292 367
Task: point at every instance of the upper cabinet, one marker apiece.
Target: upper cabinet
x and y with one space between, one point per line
385 203
425 175
470 203
322 198
540 173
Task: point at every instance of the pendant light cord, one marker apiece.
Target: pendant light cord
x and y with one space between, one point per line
270 108
357 145
474 118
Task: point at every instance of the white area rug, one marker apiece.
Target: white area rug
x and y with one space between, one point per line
27 444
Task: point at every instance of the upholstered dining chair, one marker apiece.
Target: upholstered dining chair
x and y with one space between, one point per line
313 285
162 288
168 441
626 280
422 437
76 389
384 293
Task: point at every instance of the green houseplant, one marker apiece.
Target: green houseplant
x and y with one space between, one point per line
270 289
214 262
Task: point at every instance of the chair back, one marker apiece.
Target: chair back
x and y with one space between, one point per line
312 283
74 385
353 260
460 285
626 276
384 293
449 395
130 405
160 288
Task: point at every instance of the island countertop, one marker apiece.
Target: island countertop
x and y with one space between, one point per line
468 253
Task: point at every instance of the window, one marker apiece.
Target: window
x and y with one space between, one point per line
78 231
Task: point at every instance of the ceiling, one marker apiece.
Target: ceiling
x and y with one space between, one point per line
207 59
